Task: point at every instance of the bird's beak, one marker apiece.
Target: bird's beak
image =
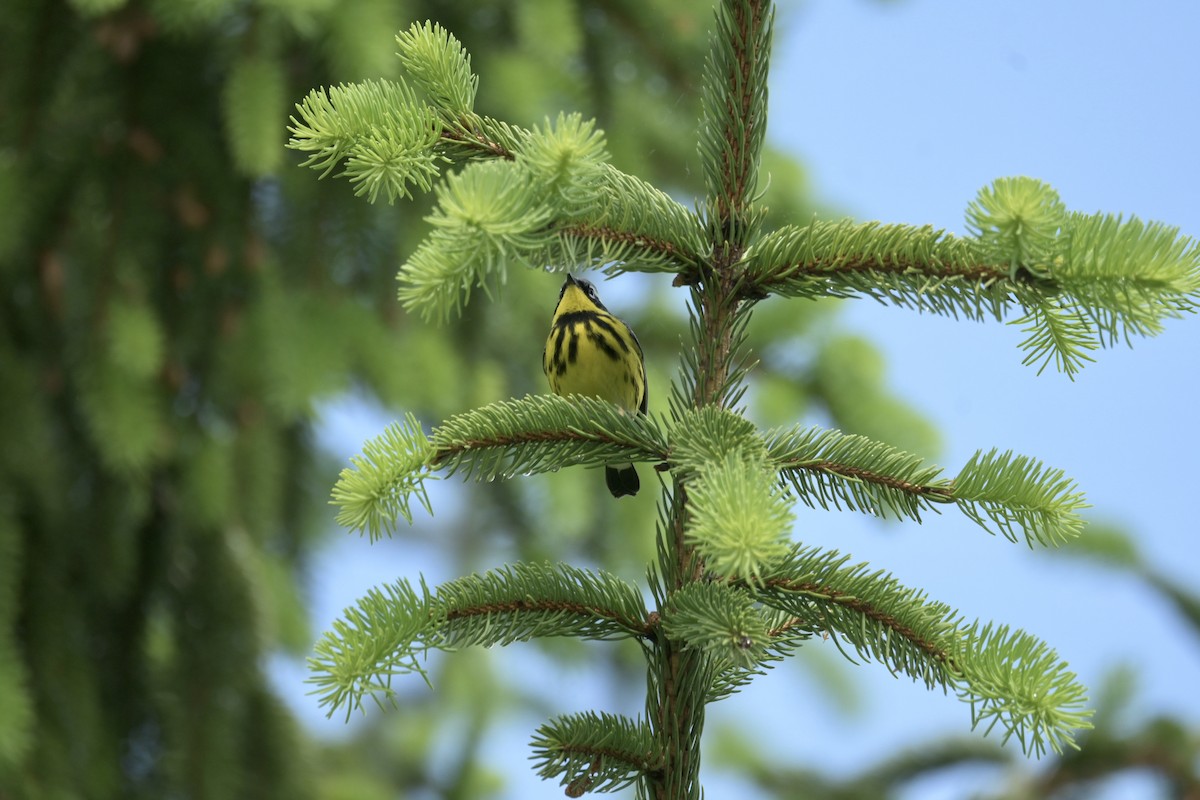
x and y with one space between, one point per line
570 280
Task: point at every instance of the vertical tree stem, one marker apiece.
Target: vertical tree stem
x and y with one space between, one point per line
679 678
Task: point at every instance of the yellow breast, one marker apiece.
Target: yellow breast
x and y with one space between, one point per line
595 355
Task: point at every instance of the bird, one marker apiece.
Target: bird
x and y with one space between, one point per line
591 352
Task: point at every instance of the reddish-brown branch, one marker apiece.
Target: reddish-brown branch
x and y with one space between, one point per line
475 138
980 273
882 618
629 238
444 454
943 493
551 606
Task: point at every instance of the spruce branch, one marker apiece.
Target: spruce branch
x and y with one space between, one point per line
567 161
378 639
525 197
537 433
441 68
1009 678
922 268
1082 281
1018 220
480 137
524 601
1018 682
440 65
543 433
488 216
380 484
784 633
831 469
719 619
641 228
386 137
1102 279
705 435
605 217
741 520
595 752
556 202
1002 493
1011 491
386 632
884 621
1128 276
391 141
1056 334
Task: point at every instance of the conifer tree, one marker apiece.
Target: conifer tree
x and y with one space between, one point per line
730 593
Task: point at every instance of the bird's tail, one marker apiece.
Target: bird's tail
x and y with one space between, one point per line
622 479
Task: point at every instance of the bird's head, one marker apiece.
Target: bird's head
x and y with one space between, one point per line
578 295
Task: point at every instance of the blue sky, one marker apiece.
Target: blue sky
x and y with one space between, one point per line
901 112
